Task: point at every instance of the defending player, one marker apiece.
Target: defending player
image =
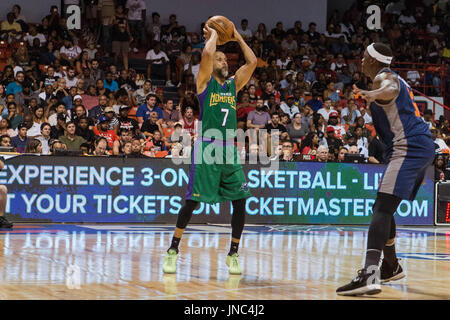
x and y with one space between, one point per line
409 152
219 181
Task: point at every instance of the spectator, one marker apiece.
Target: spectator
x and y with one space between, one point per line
440 145
13 116
244 31
333 121
5 128
60 109
97 111
125 136
125 122
20 141
361 141
258 118
287 152
137 14
44 138
100 146
310 144
154 28
326 109
376 150
59 128
151 125
5 141
34 146
9 29
121 36
322 154
69 53
141 94
297 130
350 113
96 73
136 149
351 142
332 141
289 106
274 127
102 130
83 130
158 64
189 122
16 86
341 154
109 83
144 111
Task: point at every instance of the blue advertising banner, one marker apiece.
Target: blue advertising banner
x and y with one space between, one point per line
127 190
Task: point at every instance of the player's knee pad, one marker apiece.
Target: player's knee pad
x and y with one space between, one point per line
385 204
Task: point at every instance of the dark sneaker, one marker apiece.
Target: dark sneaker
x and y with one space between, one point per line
5 223
391 273
364 283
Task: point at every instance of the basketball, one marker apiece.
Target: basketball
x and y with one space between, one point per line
224 28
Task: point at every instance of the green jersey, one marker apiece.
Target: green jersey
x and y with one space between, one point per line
218 109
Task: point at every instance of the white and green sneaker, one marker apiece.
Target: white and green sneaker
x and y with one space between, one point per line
233 264
170 261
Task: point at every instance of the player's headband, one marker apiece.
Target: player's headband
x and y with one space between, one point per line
378 56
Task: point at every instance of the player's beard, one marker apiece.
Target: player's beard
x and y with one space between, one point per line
224 72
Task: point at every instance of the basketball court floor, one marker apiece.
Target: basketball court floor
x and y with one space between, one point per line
294 262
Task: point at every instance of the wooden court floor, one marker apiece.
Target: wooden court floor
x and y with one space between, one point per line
99 262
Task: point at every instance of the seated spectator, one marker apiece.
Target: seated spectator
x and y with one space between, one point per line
339 129
101 129
351 142
314 103
16 86
193 66
112 119
109 83
90 99
440 144
59 110
83 130
20 141
100 146
141 94
10 30
5 128
332 141
44 138
157 141
151 125
137 149
99 110
361 141
144 111
34 146
310 144
125 122
38 119
297 130
13 116
258 118
287 152
243 108
71 79
158 66
189 121
322 154
72 141
326 109
341 154
69 53
5 141
60 127
274 127
125 136
350 113
169 114
288 106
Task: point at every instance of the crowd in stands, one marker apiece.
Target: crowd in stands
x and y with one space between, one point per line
75 89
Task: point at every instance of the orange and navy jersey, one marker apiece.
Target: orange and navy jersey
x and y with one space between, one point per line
400 119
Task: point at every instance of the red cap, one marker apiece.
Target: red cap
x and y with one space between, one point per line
330 129
333 114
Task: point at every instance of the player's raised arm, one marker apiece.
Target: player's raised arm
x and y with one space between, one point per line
386 88
245 72
206 64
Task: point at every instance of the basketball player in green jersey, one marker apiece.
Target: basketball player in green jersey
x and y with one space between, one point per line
216 172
